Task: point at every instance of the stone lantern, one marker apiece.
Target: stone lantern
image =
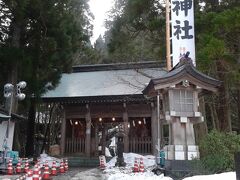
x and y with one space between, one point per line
120 147
179 91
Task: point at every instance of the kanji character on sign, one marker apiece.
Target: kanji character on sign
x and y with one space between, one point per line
184 5
185 29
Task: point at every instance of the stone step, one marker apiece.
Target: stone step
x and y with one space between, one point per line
84 161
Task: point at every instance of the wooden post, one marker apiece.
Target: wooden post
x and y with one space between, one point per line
63 134
126 130
168 58
104 135
88 132
96 139
237 165
154 128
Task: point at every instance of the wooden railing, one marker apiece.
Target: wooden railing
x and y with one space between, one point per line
76 145
141 145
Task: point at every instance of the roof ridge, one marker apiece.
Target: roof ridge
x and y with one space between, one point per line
118 66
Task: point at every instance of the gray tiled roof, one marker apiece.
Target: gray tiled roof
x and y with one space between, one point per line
104 83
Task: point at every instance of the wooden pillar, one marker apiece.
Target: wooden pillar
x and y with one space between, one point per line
237 165
104 135
170 139
88 132
126 129
154 128
96 139
63 134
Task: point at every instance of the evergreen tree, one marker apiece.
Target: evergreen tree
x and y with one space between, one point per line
39 43
135 32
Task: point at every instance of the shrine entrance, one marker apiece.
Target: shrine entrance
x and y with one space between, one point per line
138 130
105 130
75 136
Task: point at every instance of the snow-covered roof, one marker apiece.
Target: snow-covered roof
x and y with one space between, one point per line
105 82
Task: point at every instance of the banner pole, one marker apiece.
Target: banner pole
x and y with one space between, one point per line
168 58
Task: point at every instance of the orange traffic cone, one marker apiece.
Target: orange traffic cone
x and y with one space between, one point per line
29 175
36 175
26 166
141 166
19 167
9 167
54 169
61 168
66 165
136 168
102 162
46 173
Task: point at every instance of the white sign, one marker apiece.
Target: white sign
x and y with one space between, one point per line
182 19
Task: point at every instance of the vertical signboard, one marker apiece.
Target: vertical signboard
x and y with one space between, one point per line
182 20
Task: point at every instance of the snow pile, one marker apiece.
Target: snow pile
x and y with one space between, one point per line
222 176
138 176
44 157
125 173
129 158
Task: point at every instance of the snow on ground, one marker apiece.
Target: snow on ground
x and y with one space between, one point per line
129 158
138 176
45 157
125 173
222 176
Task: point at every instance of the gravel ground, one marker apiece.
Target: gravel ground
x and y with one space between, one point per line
70 173
92 174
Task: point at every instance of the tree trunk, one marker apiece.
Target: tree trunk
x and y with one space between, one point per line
47 131
214 116
30 129
238 106
201 129
223 100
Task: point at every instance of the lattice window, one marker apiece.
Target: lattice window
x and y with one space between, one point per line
182 100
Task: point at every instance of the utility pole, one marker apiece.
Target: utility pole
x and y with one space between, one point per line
168 56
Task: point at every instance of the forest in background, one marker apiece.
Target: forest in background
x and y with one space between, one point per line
136 32
39 40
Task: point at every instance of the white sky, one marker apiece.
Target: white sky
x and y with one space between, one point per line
99 9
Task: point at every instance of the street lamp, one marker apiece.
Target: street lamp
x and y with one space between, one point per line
9 93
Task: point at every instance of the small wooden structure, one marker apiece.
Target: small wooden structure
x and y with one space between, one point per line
179 91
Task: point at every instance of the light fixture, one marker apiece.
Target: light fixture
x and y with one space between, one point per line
100 119
21 84
76 122
128 125
144 120
113 118
139 122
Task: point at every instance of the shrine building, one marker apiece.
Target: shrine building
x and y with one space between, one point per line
156 108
